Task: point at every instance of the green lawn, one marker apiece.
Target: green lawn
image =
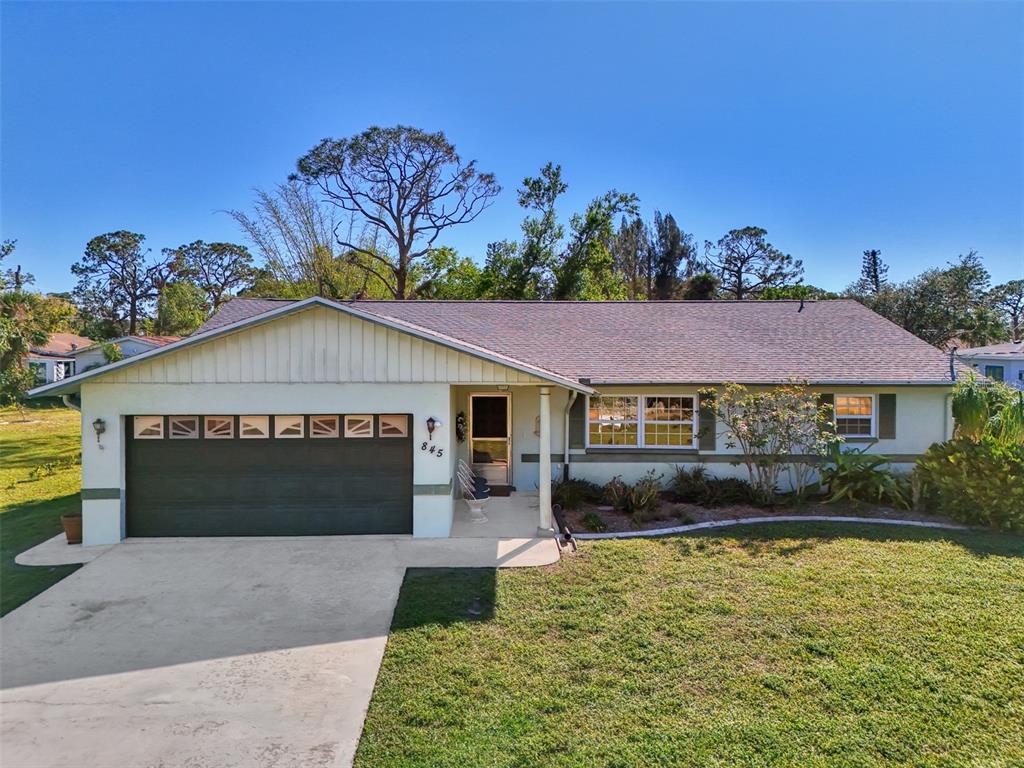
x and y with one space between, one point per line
785 645
39 481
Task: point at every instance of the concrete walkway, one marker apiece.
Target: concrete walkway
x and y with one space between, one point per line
214 652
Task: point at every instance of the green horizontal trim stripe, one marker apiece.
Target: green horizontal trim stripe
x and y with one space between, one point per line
693 457
442 489
534 458
97 494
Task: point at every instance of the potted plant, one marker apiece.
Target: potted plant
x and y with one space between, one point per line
72 527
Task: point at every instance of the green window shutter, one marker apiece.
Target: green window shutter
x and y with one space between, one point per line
578 422
708 423
830 401
887 417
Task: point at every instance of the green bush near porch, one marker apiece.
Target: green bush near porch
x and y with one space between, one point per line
785 645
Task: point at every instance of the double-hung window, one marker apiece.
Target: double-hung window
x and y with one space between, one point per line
614 420
642 421
855 415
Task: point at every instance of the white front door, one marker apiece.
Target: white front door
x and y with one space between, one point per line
490 436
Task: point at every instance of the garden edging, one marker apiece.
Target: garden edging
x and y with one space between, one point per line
773 519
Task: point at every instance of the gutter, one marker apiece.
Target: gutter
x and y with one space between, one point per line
573 394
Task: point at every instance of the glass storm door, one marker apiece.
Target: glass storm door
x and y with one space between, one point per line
490 436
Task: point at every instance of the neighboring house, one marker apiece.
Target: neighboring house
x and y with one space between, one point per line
92 356
55 360
321 417
999 362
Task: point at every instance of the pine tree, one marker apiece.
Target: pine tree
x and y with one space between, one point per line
873 272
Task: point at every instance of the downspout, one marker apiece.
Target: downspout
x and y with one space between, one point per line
950 422
565 435
66 399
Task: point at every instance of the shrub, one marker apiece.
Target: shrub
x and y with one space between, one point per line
696 486
572 494
689 485
978 483
859 476
614 493
594 522
642 500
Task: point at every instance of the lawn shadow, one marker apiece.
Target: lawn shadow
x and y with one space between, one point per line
766 539
445 596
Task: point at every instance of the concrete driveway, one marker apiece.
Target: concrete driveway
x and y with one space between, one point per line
214 653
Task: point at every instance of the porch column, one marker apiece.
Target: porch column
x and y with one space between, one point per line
544 483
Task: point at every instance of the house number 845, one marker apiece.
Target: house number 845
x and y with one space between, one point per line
439 452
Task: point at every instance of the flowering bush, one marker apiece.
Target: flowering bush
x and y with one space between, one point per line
773 426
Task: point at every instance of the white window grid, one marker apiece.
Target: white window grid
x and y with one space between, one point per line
323 426
642 421
853 425
218 427
394 426
148 427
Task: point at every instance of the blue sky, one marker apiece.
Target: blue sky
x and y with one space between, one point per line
837 127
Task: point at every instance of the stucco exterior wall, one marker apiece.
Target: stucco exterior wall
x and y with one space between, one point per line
525 411
103 478
922 417
1013 367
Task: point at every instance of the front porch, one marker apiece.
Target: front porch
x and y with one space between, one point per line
508 517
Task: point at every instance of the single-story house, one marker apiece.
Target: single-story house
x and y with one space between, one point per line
999 362
283 417
55 360
89 357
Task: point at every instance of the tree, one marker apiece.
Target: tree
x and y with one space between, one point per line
791 292
525 272
671 249
218 269
586 270
181 308
407 186
13 279
446 275
873 274
703 286
1008 298
770 426
633 257
942 306
117 282
747 263
22 326
293 233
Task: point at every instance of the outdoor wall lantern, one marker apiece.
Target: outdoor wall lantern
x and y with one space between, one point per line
432 424
100 426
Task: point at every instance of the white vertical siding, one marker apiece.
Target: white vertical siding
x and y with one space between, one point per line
319 345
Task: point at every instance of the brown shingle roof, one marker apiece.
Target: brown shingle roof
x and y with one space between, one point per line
60 344
671 342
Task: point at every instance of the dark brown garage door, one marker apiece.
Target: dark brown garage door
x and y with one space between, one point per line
268 475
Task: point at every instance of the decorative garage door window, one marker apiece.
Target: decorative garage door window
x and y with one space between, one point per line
183 427
149 427
254 427
359 426
323 426
288 426
394 426
219 427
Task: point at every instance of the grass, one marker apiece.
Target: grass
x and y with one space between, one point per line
39 481
782 645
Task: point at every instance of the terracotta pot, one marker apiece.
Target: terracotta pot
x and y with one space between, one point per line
72 528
